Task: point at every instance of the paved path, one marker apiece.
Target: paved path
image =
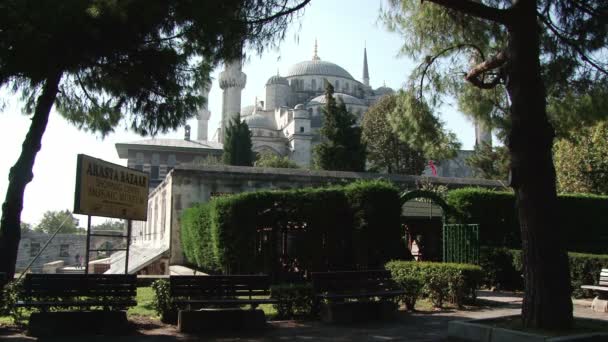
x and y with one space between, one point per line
413 327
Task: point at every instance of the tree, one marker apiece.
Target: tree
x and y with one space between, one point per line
237 144
25 227
272 160
490 163
102 62
110 225
341 148
500 43
53 220
581 161
385 152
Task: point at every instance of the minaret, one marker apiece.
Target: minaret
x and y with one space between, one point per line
483 133
232 81
315 56
365 71
203 115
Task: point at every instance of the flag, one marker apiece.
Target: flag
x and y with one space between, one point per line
433 168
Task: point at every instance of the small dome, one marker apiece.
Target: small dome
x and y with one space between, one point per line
318 68
301 113
348 99
384 90
276 79
299 106
259 121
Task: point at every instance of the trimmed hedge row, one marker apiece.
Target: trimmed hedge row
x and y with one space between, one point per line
343 227
503 268
583 217
440 281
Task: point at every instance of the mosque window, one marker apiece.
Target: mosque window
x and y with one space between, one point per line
301 129
154 172
34 248
347 85
337 84
171 161
313 84
64 250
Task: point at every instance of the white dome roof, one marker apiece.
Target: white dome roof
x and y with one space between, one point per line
276 79
348 99
318 67
258 120
384 90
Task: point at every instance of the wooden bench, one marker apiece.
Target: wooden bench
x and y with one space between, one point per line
600 302
86 302
348 296
219 299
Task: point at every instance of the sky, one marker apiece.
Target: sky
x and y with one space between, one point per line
342 28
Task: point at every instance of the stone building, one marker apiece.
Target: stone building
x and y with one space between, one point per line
64 247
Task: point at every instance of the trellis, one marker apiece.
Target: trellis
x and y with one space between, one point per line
461 243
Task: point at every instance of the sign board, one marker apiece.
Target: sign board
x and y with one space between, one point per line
110 190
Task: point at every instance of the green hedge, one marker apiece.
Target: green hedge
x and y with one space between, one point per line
294 300
583 217
441 281
346 227
508 263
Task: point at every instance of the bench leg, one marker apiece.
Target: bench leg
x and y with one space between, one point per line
600 304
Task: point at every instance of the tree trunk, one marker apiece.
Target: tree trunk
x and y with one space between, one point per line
547 302
21 174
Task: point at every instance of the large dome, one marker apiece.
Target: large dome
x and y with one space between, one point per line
318 67
260 121
349 100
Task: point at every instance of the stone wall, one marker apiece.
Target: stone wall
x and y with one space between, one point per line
64 247
187 185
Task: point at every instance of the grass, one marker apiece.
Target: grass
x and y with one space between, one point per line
581 326
145 297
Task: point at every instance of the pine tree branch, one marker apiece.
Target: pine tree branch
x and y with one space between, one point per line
570 43
475 9
431 59
475 74
285 11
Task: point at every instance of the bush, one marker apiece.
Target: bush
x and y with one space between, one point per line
499 270
8 297
441 281
496 214
413 289
341 227
294 300
584 269
163 305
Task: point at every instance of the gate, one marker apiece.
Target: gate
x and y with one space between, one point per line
461 243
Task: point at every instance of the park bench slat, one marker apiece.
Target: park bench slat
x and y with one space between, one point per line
354 284
70 290
595 288
220 289
226 301
361 295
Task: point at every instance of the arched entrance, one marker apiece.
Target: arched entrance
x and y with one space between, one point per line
423 214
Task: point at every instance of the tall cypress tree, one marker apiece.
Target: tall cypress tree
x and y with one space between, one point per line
237 144
341 148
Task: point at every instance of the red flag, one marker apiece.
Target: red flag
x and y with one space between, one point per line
433 168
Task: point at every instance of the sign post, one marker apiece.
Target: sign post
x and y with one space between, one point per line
110 190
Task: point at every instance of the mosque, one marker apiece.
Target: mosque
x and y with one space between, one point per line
285 123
